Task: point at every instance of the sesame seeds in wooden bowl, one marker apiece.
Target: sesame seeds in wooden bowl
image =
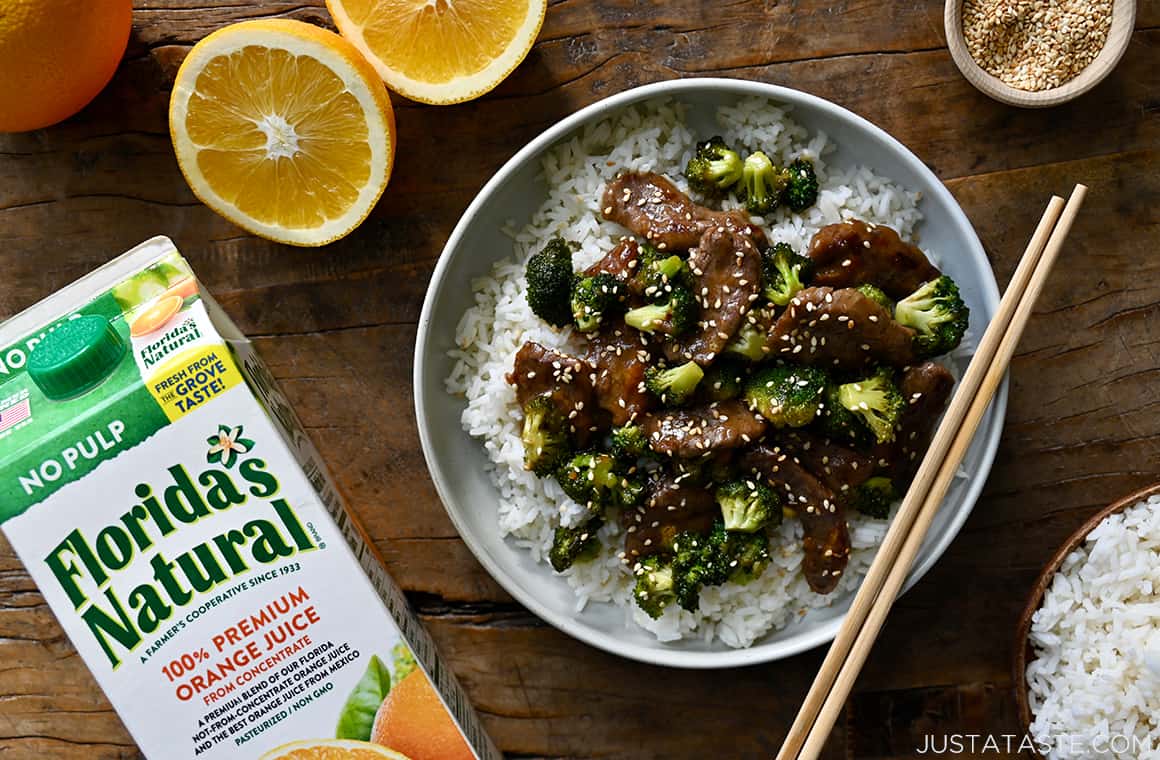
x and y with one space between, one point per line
1037 53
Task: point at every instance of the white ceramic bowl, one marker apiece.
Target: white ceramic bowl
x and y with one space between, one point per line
457 461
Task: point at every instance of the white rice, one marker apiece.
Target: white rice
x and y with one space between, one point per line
650 137
1095 680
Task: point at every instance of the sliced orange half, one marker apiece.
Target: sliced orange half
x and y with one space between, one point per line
284 129
441 51
332 749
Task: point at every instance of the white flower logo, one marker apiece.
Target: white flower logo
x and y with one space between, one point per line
226 445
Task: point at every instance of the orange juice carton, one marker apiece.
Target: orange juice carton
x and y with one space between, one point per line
165 499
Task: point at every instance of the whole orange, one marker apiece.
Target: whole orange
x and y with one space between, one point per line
56 55
412 720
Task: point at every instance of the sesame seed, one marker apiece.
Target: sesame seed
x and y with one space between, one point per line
1035 45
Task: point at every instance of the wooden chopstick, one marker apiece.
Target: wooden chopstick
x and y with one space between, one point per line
899 570
904 518
808 722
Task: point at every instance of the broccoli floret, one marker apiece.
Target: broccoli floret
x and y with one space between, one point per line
742 556
714 168
667 281
709 560
593 297
654 588
748 506
587 477
572 545
763 183
749 342
836 421
877 401
675 385
875 497
724 379
876 294
594 480
545 435
696 563
937 313
707 471
676 315
631 492
783 273
629 443
802 190
786 396
549 277
658 274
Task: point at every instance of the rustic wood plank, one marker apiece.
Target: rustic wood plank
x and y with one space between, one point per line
885 725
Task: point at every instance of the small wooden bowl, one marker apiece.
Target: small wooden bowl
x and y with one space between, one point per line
1024 652
1119 35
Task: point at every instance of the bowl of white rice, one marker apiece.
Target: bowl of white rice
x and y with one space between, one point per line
476 317
1087 654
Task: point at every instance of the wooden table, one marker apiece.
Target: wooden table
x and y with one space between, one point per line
338 326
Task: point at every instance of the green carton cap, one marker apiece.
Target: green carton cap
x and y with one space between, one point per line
75 357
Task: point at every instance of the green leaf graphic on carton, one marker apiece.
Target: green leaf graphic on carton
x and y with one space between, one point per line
171 271
226 444
140 288
357 719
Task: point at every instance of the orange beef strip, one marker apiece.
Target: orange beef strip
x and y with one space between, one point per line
654 208
856 252
689 433
620 262
840 329
726 270
926 388
826 544
620 359
568 380
672 507
839 467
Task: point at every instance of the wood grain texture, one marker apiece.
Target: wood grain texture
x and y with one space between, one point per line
338 326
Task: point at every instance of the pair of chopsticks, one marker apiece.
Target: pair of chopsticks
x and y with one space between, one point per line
890 568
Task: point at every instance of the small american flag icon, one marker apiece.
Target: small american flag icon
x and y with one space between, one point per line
14 415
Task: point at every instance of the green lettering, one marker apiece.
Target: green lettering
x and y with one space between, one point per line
293 525
145 493
163 574
205 576
101 625
222 493
262 484
182 499
269 545
66 571
228 543
153 611
114 547
132 520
